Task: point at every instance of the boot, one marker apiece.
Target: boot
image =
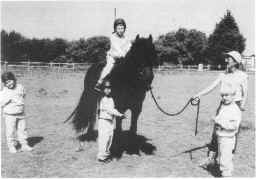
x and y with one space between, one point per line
97 87
26 147
210 160
12 150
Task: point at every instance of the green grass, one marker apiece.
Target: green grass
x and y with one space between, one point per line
51 97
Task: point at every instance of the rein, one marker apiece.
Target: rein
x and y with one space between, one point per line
193 102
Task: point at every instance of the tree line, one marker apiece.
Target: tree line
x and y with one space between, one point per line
184 46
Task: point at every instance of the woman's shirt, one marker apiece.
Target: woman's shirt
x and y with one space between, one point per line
12 100
119 46
238 80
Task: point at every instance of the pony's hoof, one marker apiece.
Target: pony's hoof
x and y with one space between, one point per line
105 161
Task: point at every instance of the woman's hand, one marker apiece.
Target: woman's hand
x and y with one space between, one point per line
218 127
196 96
242 108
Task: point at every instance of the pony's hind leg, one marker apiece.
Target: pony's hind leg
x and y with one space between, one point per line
80 146
80 140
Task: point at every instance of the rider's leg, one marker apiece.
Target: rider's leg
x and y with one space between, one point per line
106 70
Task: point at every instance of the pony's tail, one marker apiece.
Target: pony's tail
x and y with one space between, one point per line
71 115
80 114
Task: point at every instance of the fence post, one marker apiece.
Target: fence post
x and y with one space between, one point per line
200 67
73 67
208 67
58 67
28 66
219 66
5 65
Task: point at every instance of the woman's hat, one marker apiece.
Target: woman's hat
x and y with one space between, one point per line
235 55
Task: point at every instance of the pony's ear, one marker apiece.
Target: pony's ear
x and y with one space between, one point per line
150 38
137 37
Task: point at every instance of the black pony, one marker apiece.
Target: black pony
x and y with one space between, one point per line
130 80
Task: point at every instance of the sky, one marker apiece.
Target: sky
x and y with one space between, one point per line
73 20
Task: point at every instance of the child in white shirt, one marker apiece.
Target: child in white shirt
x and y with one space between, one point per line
12 103
106 123
119 46
227 123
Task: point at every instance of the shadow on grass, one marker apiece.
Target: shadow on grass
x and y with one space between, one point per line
89 136
213 170
123 142
32 141
127 142
190 151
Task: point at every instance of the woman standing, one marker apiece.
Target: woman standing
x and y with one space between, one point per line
238 79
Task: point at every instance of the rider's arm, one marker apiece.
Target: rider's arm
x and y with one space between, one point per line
209 88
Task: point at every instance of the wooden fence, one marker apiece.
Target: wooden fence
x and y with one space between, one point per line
33 66
73 67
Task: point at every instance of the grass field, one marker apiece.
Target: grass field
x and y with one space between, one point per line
52 96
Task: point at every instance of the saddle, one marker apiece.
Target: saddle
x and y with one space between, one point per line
118 61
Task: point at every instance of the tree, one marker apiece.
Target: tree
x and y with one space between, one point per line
226 37
196 45
4 39
56 48
165 50
11 44
90 50
182 47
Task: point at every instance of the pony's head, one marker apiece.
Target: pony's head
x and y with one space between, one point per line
141 58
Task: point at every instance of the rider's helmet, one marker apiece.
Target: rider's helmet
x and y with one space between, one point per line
119 21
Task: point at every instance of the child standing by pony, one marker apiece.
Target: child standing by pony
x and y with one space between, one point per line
12 101
119 46
227 123
238 79
107 113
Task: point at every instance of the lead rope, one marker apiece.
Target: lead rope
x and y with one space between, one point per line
192 101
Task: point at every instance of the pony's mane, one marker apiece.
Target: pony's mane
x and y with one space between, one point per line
140 45
140 55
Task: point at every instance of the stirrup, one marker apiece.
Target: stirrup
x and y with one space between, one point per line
97 87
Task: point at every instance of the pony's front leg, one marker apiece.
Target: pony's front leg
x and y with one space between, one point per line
118 124
134 119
